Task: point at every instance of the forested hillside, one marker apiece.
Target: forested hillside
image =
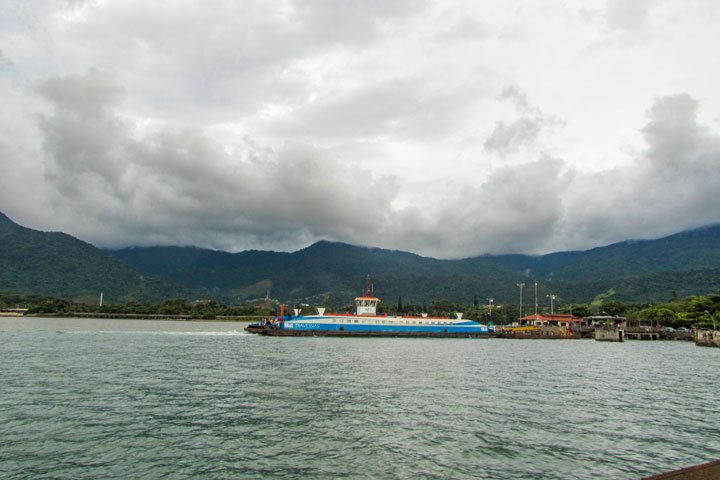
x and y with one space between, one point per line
53 263
333 273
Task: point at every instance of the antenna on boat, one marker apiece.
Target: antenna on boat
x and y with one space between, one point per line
367 303
368 287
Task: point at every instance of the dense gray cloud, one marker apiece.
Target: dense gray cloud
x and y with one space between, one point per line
236 57
5 63
505 214
524 130
236 125
623 15
509 137
671 185
182 186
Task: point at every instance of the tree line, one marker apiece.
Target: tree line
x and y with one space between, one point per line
202 309
692 311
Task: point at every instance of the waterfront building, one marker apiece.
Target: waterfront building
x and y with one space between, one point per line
555 320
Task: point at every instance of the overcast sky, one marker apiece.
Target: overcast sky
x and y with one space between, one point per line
448 129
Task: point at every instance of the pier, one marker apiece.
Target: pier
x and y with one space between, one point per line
610 334
642 333
709 338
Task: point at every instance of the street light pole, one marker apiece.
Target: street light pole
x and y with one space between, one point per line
536 304
520 285
552 305
490 302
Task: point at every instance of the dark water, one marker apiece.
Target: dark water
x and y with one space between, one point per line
86 399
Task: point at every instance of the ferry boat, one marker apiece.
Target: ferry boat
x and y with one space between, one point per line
365 322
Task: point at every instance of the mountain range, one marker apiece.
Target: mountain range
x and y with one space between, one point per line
332 273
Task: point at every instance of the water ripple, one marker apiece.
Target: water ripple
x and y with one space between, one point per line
176 401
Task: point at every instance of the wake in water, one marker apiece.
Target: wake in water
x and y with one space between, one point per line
159 332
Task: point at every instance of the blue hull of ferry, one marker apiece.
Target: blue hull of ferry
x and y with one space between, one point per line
384 328
309 328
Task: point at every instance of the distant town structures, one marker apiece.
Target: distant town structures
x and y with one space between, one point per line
707 338
610 328
555 320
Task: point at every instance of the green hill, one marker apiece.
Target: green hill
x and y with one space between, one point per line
692 249
327 272
332 272
51 263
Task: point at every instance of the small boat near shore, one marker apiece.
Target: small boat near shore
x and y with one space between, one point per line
365 322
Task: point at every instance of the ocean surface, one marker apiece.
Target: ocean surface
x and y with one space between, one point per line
117 399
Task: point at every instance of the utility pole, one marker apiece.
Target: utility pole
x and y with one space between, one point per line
552 305
536 303
520 285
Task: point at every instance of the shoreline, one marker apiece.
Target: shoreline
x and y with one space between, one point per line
141 316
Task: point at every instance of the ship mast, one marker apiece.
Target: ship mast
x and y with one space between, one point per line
368 287
367 304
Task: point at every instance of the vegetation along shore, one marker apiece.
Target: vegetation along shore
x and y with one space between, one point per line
696 311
